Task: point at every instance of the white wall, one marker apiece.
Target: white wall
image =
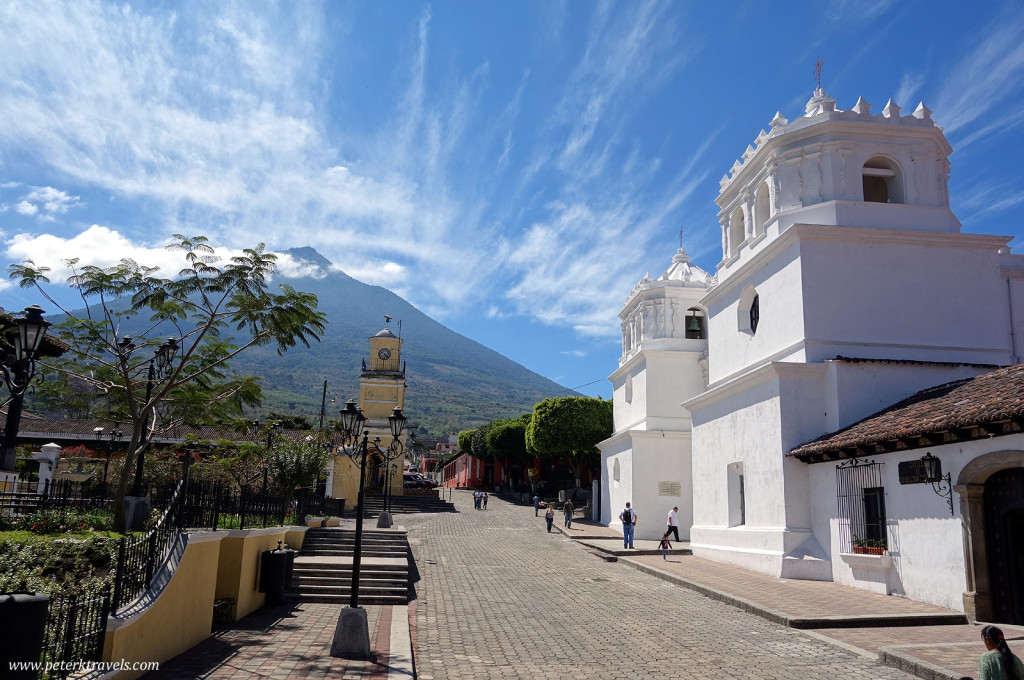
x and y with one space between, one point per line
926 540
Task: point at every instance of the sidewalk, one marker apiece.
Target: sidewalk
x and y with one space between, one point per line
921 639
293 642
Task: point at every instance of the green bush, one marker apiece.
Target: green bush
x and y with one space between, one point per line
44 564
59 521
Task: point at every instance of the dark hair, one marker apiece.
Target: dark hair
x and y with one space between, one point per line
995 635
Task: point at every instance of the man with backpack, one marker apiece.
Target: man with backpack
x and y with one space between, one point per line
628 517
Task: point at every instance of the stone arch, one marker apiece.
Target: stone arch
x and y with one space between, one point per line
882 181
737 230
762 208
970 485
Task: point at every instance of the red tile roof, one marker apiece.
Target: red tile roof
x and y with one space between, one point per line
988 404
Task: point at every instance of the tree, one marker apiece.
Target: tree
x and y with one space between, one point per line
198 306
294 464
466 442
478 443
570 428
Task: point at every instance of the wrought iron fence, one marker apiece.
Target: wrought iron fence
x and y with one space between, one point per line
138 557
75 626
25 497
312 502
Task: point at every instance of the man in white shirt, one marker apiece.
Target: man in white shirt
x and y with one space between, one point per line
673 522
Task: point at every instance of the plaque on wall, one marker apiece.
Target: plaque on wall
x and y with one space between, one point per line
912 472
670 489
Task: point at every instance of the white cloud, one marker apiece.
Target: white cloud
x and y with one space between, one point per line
986 76
25 208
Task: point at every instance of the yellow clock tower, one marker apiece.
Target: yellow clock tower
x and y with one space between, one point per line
381 389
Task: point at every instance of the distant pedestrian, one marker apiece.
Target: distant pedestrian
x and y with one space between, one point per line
998 663
665 546
568 510
476 500
673 522
549 516
484 499
536 505
628 517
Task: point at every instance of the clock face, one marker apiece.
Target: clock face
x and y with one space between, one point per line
385 354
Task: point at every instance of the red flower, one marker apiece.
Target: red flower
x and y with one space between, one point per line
83 524
35 525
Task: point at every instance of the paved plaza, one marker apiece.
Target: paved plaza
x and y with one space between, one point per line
499 597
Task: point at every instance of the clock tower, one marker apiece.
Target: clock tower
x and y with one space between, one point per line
381 389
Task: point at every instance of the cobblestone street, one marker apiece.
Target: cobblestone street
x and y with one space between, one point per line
499 597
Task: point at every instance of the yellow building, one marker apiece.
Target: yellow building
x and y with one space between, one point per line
381 389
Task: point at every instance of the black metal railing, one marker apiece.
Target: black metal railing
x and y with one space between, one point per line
138 557
25 497
311 502
75 627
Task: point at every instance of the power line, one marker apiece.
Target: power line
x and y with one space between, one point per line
585 384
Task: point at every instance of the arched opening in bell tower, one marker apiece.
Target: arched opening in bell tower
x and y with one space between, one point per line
882 181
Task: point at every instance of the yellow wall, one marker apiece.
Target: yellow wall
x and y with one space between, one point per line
346 480
238 570
179 618
213 566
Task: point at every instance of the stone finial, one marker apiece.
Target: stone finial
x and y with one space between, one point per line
761 136
736 167
891 110
724 182
862 108
778 121
922 112
748 153
820 103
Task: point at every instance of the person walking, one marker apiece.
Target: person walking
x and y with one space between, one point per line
998 663
484 499
568 510
536 505
665 546
476 500
549 516
628 517
673 523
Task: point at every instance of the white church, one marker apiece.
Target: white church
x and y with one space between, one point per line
841 399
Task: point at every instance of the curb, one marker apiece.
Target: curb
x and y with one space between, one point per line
803 622
899 657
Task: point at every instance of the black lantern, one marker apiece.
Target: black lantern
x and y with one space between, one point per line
351 418
31 329
932 467
397 422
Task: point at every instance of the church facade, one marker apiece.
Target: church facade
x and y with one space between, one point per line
846 286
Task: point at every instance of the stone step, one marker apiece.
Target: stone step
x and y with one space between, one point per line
338 581
345 599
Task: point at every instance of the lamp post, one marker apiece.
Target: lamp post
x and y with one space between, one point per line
158 368
31 329
113 436
352 634
273 428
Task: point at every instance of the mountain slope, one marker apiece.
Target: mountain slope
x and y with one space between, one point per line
453 382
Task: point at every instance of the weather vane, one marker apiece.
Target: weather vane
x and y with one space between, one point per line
817 71
680 238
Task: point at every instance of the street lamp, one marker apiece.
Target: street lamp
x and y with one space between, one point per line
113 436
31 329
352 634
272 429
158 369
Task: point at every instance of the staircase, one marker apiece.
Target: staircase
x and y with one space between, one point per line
323 568
374 505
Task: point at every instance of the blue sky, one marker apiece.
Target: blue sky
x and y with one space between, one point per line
511 168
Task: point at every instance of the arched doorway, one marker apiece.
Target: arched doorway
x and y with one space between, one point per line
991 490
1004 526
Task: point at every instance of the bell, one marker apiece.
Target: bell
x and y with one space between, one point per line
693 324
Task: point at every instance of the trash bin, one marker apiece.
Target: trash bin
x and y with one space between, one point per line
275 573
22 624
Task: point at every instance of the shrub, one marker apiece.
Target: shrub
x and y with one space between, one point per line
43 564
61 521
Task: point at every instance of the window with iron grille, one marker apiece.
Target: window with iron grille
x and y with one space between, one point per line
861 505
